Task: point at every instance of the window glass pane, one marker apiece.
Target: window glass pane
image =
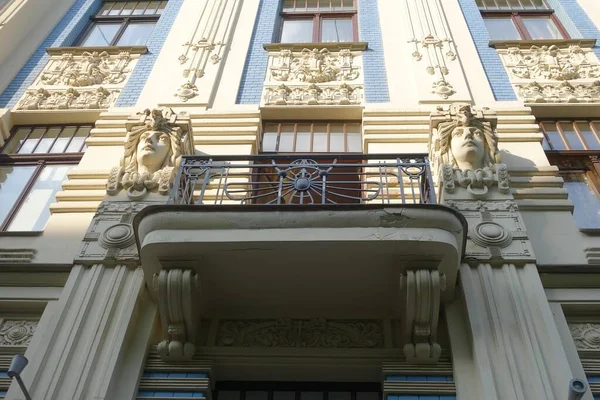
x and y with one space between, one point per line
585 200
47 140
303 138
288 5
311 396
35 210
312 5
229 395
106 8
15 141
286 139
101 34
342 5
320 138
340 396
32 141
545 144
152 7
367 396
354 137
284 395
539 4
541 28
116 10
571 136
501 29
136 34
12 182
78 140
140 8
506 4
256 395
128 8
588 134
554 137
269 142
163 5
336 138
61 142
337 30
297 31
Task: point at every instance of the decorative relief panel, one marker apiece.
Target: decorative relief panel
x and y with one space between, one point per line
586 336
17 256
110 238
306 333
496 230
314 77
16 332
433 51
553 74
206 46
80 79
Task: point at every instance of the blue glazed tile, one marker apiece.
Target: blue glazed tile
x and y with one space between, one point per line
397 378
416 378
197 375
177 375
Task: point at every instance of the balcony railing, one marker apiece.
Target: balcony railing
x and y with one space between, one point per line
304 179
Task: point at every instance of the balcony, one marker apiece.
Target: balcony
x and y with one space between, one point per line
348 236
304 180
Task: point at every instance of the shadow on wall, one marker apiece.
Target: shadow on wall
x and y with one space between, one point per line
513 160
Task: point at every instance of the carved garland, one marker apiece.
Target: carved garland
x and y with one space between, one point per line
313 95
16 332
314 66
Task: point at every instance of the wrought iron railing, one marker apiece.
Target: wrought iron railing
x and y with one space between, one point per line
304 179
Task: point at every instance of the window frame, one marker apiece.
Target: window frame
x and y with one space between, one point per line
559 129
516 18
125 20
317 17
312 123
39 161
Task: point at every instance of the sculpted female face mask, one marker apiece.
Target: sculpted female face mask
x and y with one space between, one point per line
152 150
468 147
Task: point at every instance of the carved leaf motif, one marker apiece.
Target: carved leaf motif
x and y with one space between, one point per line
586 336
313 333
314 66
313 95
17 333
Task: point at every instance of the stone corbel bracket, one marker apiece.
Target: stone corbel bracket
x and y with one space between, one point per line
422 289
178 296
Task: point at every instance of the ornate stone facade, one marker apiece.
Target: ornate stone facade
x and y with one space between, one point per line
155 142
305 333
314 66
553 73
284 95
78 78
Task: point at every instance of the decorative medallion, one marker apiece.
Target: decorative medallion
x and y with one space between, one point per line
586 336
16 333
487 234
119 236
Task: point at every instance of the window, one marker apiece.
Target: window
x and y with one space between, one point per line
33 165
305 21
574 147
520 19
318 137
122 23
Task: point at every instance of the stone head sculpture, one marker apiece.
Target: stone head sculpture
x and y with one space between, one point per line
153 148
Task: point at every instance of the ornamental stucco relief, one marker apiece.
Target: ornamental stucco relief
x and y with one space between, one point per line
16 332
156 140
553 74
314 66
586 336
75 79
305 333
464 150
313 94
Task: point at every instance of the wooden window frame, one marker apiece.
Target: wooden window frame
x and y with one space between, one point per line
516 18
312 135
125 20
592 123
39 160
317 17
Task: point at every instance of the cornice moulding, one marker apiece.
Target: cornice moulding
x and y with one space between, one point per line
524 44
111 50
331 46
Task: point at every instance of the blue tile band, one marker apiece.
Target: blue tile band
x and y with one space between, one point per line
374 73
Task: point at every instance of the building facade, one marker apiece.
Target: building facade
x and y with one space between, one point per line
300 199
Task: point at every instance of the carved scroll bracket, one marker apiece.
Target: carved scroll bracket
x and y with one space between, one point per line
422 289
178 293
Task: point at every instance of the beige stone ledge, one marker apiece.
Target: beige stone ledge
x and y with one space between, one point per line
561 43
81 195
88 174
545 205
85 184
113 50
74 207
540 193
536 170
535 181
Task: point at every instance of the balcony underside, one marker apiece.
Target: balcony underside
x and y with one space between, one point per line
301 261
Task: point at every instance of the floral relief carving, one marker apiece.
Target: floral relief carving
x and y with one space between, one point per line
314 66
305 333
564 92
343 94
16 332
586 336
88 69
552 63
69 99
